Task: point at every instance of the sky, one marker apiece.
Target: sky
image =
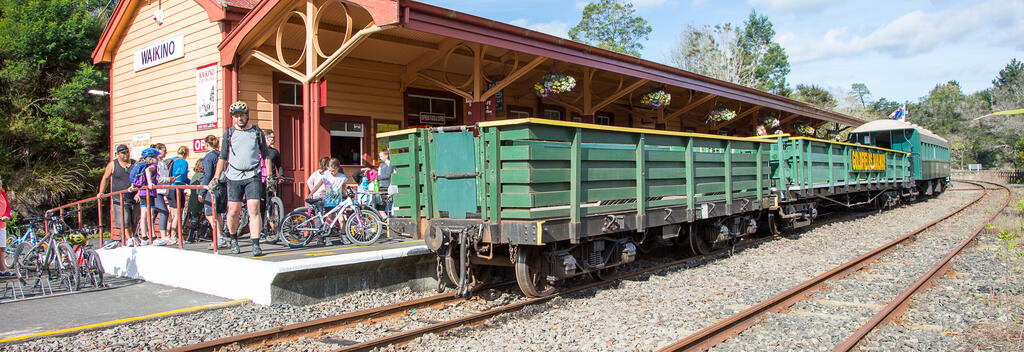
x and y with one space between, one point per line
901 49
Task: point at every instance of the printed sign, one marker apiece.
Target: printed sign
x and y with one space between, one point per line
206 97
140 141
160 52
865 161
432 118
199 145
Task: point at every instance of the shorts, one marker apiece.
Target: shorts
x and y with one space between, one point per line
247 189
173 196
3 237
130 213
222 202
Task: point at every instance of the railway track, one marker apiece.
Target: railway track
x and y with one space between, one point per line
734 325
321 328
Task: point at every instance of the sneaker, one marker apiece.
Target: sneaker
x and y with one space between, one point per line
111 244
223 244
344 240
234 247
159 242
256 250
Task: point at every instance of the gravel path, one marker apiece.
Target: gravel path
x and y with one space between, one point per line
977 306
830 316
647 313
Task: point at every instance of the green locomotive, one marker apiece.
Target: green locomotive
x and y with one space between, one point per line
555 199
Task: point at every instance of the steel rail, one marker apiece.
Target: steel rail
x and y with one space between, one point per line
899 305
733 325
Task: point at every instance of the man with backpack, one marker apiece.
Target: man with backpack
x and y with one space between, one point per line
242 150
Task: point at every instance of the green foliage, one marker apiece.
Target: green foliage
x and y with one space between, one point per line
860 90
815 95
612 25
1008 87
45 112
768 59
747 56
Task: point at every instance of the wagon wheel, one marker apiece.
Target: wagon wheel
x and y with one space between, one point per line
482 273
698 244
528 274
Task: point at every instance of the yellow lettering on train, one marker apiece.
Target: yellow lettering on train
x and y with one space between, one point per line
866 161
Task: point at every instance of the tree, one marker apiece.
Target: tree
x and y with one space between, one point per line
766 58
1009 86
860 90
747 57
612 25
712 51
815 95
45 113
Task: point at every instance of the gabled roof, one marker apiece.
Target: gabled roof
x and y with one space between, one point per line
895 125
124 13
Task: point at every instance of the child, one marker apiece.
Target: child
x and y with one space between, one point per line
333 183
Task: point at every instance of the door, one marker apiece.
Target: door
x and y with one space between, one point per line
292 140
454 160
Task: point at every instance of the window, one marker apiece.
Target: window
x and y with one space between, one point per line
552 114
347 142
429 110
289 93
603 119
518 114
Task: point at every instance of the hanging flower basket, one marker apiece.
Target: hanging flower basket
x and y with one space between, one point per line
721 114
805 130
833 135
769 121
554 83
656 98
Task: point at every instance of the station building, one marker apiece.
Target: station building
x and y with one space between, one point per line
327 75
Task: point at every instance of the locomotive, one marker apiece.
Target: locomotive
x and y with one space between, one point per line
554 199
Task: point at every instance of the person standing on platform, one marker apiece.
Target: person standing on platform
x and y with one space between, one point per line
384 171
125 211
243 148
143 175
209 164
274 156
5 214
315 177
159 207
176 197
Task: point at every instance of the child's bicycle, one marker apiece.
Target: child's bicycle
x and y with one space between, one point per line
304 224
89 266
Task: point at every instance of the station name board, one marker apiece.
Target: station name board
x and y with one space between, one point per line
160 52
865 161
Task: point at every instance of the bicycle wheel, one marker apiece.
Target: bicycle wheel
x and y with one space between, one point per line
9 252
275 213
68 276
94 268
295 228
364 228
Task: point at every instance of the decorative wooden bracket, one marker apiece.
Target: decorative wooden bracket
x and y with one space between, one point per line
688 107
446 86
788 118
615 96
259 55
413 69
739 116
344 50
498 86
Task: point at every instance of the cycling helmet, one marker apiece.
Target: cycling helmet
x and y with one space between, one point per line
150 152
239 107
76 238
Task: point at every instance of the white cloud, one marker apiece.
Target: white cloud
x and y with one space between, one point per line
646 3
793 5
913 33
555 28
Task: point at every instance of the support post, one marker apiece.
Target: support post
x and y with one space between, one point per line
575 184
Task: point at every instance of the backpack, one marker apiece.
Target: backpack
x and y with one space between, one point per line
137 175
260 140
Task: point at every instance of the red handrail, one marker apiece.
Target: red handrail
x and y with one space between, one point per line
149 214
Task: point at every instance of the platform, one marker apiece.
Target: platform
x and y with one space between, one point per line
82 311
282 274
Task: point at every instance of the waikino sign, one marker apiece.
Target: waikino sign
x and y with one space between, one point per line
160 52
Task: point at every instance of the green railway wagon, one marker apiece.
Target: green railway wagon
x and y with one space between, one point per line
929 153
557 199
807 172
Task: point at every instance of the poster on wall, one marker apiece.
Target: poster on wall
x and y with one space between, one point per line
206 97
140 141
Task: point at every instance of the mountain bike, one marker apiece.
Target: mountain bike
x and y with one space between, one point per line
362 225
273 210
29 235
50 257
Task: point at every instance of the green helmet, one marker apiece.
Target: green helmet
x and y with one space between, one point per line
239 107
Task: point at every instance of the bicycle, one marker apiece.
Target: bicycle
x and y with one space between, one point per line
29 235
303 224
88 262
55 259
273 210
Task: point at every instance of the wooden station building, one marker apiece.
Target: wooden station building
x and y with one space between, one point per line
327 75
